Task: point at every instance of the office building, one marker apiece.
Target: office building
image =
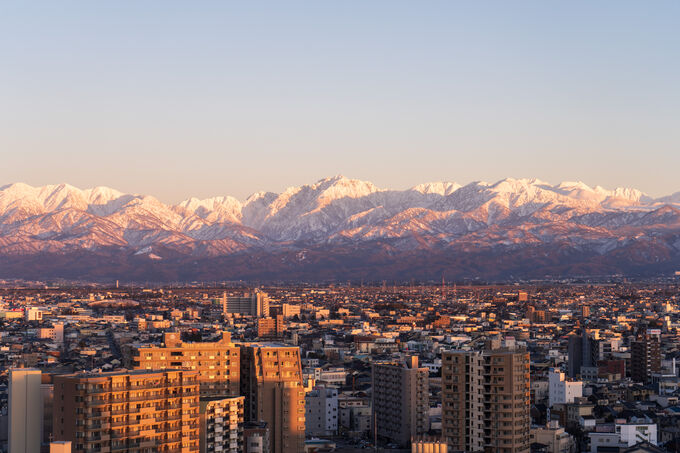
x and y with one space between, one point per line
321 418
271 381
400 400
222 424
252 304
140 411
217 362
25 410
486 400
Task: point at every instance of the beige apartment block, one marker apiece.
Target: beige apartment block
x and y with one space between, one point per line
400 400
271 381
486 400
218 363
136 411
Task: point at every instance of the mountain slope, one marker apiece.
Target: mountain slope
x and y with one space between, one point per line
340 228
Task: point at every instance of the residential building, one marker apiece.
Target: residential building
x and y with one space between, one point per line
271 381
142 411
561 390
217 363
645 355
252 304
486 399
221 424
321 418
400 400
554 437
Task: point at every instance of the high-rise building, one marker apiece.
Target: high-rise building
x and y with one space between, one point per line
253 304
140 411
256 437
217 362
486 400
584 351
271 381
400 400
321 405
25 410
222 424
645 356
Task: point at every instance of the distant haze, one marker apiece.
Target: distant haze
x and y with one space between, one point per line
220 98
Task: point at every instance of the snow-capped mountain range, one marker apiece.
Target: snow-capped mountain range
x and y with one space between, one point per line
340 228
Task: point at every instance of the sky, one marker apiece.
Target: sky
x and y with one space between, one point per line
179 99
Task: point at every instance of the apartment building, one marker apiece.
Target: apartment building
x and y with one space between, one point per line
321 418
400 400
252 304
222 424
133 411
486 400
270 327
271 381
217 363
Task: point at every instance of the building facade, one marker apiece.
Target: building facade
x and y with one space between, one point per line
271 381
400 400
486 400
321 405
25 410
218 363
141 411
222 424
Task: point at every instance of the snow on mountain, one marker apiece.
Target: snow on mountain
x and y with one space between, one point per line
336 209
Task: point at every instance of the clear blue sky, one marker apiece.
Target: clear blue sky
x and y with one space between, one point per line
176 98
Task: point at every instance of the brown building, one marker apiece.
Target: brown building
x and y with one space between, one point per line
271 381
645 355
486 400
217 362
270 327
131 411
400 400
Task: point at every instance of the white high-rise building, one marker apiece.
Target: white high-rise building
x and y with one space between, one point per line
25 410
560 390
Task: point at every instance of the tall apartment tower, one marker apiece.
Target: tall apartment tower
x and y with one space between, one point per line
222 425
25 410
486 400
141 411
271 381
217 362
645 357
253 304
584 351
400 400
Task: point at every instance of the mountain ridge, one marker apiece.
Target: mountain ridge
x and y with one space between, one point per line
621 230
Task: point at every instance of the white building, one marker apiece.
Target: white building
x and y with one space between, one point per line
25 410
33 314
562 391
634 432
321 418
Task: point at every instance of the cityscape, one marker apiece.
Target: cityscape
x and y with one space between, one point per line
349 226
418 367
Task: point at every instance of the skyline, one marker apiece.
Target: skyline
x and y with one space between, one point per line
231 99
